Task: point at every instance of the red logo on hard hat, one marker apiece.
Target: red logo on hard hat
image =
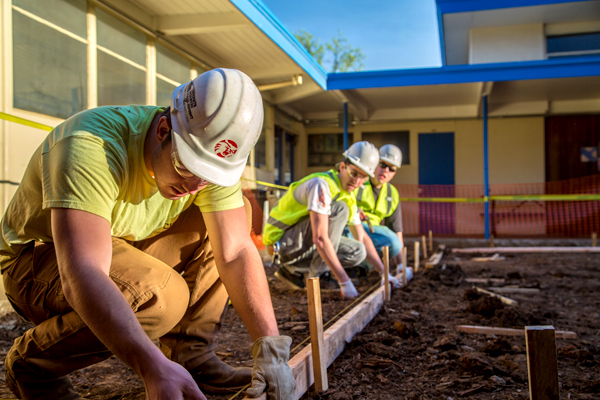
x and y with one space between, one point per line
226 148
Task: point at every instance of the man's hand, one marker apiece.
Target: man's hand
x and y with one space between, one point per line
170 381
271 370
393 281
348 290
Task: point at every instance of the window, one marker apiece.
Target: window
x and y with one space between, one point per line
326 150
397 138
50 56
172 70
121 62
573 45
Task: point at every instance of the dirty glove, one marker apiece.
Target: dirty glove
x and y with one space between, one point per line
393 281
271 370
348 289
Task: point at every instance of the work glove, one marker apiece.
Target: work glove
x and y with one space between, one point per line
348 290
271 370
393 281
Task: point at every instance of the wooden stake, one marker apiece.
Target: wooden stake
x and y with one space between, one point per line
315 318
594 239
386 273
503 299
424 247
417 256
542 367
404 277
431 241
490 330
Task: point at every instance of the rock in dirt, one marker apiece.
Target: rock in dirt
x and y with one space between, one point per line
447 274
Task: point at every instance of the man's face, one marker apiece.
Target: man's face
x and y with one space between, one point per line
172 179
351 177
384 172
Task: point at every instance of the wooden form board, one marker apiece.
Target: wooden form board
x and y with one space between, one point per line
528 250
542 366
514 290
489 330
335 339
503 299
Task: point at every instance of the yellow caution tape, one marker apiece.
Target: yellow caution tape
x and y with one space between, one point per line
266 184
24 121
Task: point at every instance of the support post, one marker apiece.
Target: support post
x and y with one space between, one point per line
486 181
594 239
404 277
345 126
431 241
542 367
424 247
417 256
386 272
315 319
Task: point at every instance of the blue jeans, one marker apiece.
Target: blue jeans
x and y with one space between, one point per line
384 236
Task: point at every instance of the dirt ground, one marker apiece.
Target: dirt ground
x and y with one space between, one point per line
411 349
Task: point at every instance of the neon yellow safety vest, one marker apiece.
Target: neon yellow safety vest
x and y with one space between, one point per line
288 211
387 202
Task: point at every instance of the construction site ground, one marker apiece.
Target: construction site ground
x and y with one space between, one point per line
411 349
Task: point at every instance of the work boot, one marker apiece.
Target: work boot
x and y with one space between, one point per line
28 385
295 281
215 377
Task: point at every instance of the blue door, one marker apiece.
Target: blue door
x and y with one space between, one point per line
436 179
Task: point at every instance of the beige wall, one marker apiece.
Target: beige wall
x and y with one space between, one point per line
516 148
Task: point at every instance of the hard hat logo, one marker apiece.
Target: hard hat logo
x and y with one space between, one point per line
226 148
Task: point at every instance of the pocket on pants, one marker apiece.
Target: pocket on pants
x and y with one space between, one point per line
27 298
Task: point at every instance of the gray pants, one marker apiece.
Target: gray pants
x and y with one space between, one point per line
299 254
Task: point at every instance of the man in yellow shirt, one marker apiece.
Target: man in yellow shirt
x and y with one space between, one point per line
129 226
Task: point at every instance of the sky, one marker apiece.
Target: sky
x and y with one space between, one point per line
392 34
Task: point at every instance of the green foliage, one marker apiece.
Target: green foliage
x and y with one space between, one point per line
311 45
344 56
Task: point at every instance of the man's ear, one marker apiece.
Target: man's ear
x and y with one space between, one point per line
162 129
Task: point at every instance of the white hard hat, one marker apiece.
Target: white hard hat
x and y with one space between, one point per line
217 119
364 155
391 155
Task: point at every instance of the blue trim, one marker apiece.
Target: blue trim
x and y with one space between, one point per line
564 67
440 19
345 126
457 6
266 21
486 170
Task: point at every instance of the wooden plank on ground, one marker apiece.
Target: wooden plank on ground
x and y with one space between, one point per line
495 257
485 280
335 339
514 290
486 250
490 330
503 299
436 258
542 366
315 316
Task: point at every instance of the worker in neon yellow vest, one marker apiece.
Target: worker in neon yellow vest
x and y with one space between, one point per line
309 219
380 202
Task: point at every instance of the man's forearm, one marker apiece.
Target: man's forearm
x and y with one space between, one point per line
101 305
246 282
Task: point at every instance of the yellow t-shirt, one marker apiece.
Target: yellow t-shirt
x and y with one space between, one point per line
94 162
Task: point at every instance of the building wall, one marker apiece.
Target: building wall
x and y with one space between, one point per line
507 43
516 148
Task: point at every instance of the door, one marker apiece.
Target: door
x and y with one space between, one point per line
436 179
285 143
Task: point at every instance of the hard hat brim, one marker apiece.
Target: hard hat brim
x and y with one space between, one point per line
203 168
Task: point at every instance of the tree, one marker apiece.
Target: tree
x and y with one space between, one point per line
344 57
311 45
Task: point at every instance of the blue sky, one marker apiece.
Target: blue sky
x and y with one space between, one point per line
391 33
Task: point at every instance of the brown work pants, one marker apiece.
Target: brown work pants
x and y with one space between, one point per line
170 281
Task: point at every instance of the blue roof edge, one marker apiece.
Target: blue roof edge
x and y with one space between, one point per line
457 6
266 21
568 67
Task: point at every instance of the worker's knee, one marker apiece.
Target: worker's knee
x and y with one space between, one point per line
159 302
